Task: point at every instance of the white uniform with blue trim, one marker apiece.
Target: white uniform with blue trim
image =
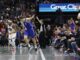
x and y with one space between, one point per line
11 36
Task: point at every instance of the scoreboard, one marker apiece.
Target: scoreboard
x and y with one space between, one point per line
64 7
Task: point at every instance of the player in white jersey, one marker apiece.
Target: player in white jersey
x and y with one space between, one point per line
11 33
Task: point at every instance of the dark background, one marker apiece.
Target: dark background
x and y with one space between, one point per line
47 17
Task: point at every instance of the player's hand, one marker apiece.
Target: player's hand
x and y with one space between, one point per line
33 16
41 21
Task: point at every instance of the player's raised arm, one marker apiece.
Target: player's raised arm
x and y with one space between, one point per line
30 18
22 22
40 21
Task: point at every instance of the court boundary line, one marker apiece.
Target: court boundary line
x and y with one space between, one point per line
42 54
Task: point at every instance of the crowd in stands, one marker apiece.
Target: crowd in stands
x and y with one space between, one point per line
67 36
13 8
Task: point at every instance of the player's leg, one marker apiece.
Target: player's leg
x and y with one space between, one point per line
32 35
9 40
37 41
34 42
14 39
26 40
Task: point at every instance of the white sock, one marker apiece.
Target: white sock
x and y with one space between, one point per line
35 46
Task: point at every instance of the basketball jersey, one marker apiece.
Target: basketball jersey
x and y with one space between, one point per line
9 29
28 25
29 29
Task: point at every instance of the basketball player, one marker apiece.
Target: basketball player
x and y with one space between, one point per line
29 33
11 33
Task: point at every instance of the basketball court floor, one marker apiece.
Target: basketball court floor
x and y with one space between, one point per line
42 54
